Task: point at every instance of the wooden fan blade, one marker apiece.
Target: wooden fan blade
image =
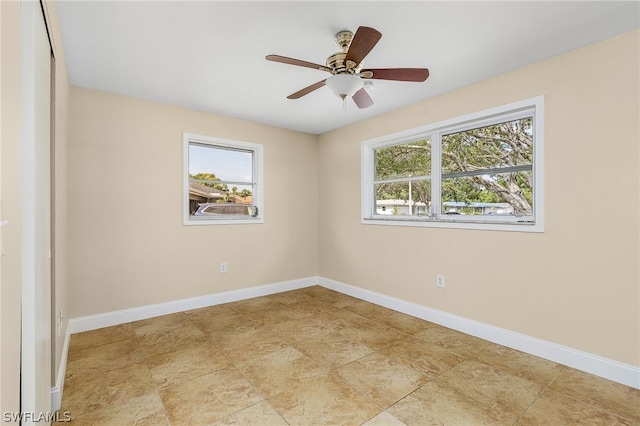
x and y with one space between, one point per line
363 41
298 62
362 99
399 74
300 93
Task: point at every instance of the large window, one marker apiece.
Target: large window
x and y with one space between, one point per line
222 181
481 171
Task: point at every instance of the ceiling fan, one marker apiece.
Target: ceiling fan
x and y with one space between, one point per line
347 69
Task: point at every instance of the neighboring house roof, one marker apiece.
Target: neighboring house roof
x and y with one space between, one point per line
199 190
203 193
233 198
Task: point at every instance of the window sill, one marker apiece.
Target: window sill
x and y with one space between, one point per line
196 222
432 223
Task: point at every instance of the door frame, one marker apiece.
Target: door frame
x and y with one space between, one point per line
35 382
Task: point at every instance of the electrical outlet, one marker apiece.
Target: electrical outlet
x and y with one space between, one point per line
440 281
223 267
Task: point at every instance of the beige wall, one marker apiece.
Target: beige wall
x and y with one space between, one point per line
576 284
10 192
127 245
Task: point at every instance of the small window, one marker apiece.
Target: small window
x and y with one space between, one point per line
481 171
222 181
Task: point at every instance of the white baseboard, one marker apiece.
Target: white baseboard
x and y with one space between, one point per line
92 322
56 392
626 374
609 369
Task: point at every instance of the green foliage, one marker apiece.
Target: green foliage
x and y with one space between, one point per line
211 181
401 161
412 159
492 147
500 145
465 190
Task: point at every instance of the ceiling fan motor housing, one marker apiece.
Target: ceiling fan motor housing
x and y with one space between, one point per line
336 61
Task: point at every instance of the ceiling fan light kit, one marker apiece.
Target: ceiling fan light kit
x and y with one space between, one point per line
344 85
346 68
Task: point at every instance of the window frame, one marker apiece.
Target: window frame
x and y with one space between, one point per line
533 107
257 151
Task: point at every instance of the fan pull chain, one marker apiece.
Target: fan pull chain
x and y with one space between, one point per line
344 101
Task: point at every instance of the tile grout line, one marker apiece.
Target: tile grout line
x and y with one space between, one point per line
155 385
502 363
533 402
235 367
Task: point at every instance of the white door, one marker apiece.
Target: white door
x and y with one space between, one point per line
36 211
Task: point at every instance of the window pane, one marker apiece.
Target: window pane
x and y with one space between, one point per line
222 209
220 182
410 159
403 198
488 170
501 145
208 201
488 194
480 168
220 164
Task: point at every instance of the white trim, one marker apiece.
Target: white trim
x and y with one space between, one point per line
92 322
513 227
258 178
416 132
519 109
28 373
56 392
35 355
626 374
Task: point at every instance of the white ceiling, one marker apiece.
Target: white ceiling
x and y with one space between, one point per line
209 55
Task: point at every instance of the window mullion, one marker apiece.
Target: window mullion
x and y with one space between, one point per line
209 155
479 188
402 179
222 182
497 170
436 173
368 185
